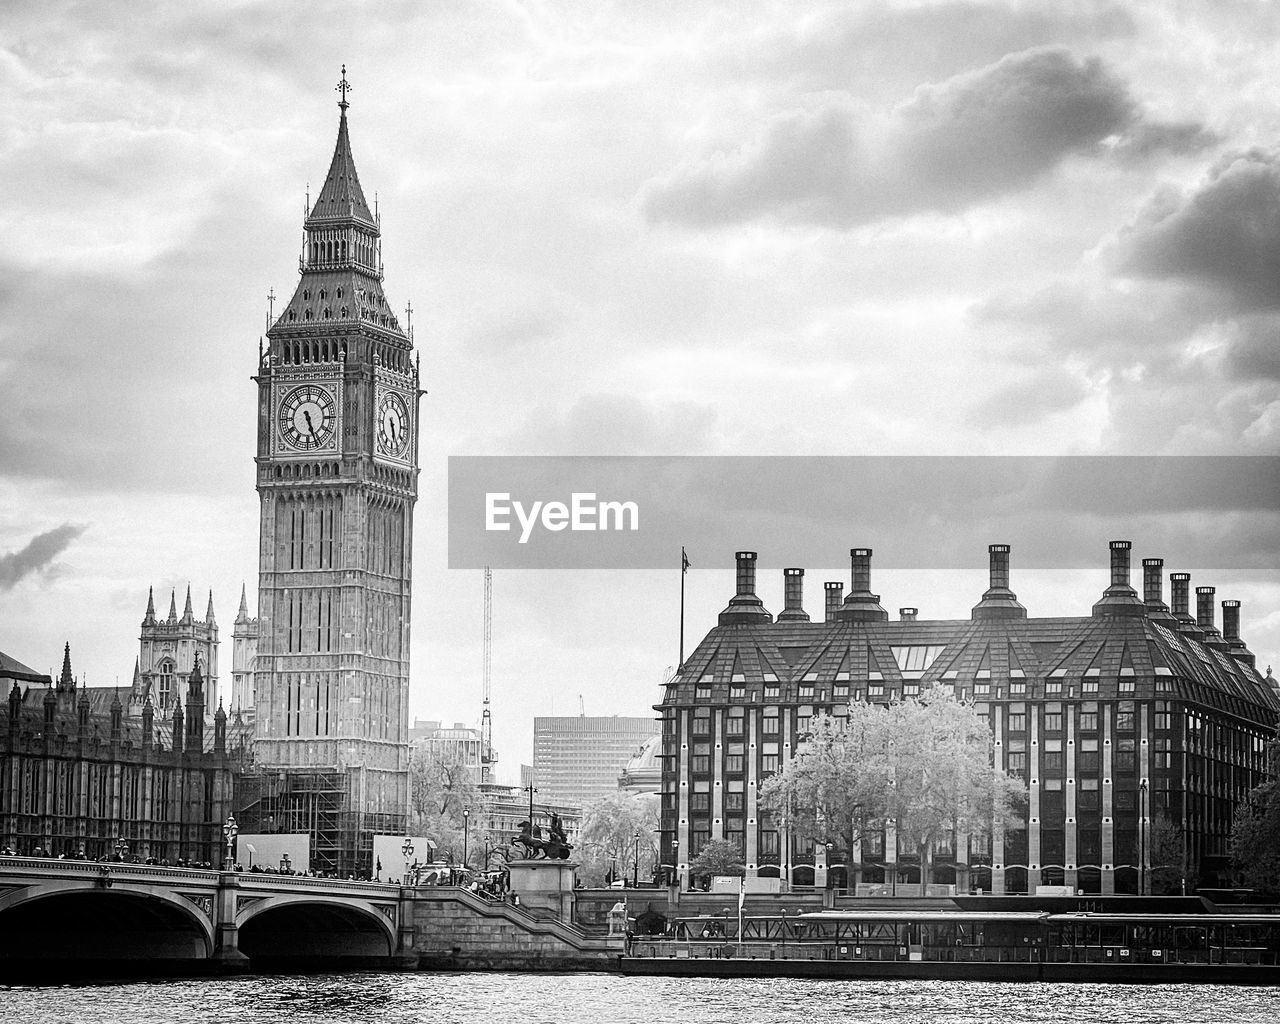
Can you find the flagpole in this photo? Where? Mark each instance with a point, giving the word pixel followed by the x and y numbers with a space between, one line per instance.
pixel 684 568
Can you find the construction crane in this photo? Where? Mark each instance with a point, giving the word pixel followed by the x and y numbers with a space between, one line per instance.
pixel 487 757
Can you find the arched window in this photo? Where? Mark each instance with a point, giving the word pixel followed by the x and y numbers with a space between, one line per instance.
pixel 166 684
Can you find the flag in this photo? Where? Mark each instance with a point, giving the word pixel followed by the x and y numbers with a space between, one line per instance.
pixel 684 561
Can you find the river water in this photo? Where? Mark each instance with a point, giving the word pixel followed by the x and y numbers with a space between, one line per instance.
pixel 490 998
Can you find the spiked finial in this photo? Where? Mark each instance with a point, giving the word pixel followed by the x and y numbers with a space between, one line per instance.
pixel 150 618
pixel 187 614
pixel 208 615
pixel 343 87
pixel 173 608
pixel 243 614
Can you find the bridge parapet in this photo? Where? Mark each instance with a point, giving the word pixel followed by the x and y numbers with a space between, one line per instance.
pixel 295 915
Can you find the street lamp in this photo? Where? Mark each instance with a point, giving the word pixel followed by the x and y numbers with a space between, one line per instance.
pixel 675 860
pixel 229 832
pixel 407 850
pixel 635 880
pixel 1142 837
pixel 121 846
pixel 830 847
pixel 285 863
pixel 466 823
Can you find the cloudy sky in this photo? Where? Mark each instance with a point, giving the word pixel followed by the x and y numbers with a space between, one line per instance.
pixel 746 228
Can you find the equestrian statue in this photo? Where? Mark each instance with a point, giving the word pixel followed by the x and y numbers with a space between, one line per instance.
pixel 555 847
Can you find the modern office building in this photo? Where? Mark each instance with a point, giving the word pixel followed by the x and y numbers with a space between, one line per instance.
pixel 1131 716
pixel 577 760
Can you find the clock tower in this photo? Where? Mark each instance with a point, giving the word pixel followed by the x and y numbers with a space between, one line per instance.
pixel 337 472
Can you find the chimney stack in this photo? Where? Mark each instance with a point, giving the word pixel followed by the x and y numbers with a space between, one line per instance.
pixel 1153 590
pixel 1205 617
pixel 835 598
pixel 1120 598
pixel 861 605
pixel 999 602
pixel 1180 600
pixel 908 614
pixel 793 597
pixel 1231 633
pixel 744 607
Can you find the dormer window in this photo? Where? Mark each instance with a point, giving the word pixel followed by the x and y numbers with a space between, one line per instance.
pixel 321 294
pixel 306 293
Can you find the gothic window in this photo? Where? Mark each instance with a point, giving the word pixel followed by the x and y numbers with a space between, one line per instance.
pixel 306 315
pixel 321 294
pixel 326 313
pixel 166 686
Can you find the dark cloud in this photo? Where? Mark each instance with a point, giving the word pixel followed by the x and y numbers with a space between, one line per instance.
pixel 1253 353
pixel 1031 400
pixel 1156 137
pixel 873 46
pixel 37 556
pixel 972 138
pixel 1224 235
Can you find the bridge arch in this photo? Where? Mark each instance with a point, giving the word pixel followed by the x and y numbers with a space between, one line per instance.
pixel 70 922
pixel 313 928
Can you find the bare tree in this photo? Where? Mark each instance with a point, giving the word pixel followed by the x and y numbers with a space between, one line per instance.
pixel 607 840
pixel 446 806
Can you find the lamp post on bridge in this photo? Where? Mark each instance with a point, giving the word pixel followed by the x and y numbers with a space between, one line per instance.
pixel 635 878
pixel 285 863
pixel 121 847
pixel 675 861
pixel 407 850
pixel 466 824
pixel 229 832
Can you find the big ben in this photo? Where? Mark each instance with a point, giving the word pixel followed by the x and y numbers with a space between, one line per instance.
pixel 337 470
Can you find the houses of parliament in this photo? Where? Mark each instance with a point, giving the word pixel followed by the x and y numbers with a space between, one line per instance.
pixel 312 735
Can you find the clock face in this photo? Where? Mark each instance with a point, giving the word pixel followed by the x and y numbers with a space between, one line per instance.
pixel 393 425
pixel 307 418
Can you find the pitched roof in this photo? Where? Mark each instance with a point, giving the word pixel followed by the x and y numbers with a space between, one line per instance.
pixel 12 668
pixel 341 197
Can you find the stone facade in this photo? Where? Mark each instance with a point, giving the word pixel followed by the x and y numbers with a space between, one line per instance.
pixel 337 459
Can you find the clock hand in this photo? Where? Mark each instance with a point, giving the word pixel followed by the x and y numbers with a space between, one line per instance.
pixel 310 426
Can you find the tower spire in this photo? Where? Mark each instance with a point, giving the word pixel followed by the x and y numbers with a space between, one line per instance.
pixel 65 682
pixel 173 608
pixel 187 614
pixel 243 614
pixel 150 618
pixel 208 615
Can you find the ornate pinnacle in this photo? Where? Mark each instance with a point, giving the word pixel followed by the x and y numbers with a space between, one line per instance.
pixel 343 87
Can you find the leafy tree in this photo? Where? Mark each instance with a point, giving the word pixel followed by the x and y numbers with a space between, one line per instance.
pixel 835 784
pixel 718 857
pixel 942 775
pixel 1255 834
pixel 607 840
pixel 1168 857
pixel 926 764
pixel 441 789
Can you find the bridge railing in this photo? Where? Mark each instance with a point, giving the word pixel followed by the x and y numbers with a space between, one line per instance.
pixel 47 866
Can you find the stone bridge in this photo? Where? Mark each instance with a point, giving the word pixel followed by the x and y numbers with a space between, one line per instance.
pixel 68 911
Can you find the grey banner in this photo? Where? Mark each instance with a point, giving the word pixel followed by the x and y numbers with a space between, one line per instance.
pixel 917 512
